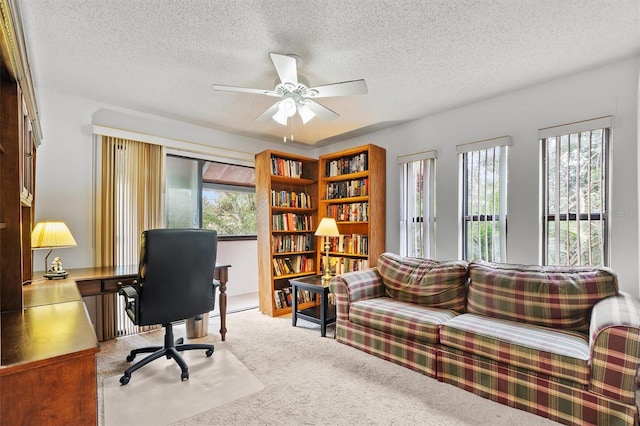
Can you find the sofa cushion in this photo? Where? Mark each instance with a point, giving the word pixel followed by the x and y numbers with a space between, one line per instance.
pixel 560 354
pixel 439 284
pixel 552 296
pixel 410 321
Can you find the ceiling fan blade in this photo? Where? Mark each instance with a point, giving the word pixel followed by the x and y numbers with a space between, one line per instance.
pixel 222 88
pixel 286 68
pixel 321 111
pixel 268 114
pixel 345 88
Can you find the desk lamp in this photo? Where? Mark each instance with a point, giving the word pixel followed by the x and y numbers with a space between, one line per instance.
pixel 327 228
pixel 52 235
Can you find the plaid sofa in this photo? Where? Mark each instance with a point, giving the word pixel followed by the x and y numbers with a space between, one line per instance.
pixel 559 342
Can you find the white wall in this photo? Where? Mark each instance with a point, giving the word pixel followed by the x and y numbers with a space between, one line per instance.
pixel 611 90
pixel 64 173
pixel 64 170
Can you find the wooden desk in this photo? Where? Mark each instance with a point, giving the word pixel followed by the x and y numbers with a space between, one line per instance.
pixel 48 364
pixel 109 279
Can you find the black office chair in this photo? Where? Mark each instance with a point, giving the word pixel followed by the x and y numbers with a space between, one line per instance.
pixel 175 282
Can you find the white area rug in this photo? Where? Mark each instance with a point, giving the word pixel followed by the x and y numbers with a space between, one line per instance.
pixel 156 395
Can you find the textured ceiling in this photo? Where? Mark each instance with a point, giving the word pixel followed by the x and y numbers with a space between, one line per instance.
pixel 417 57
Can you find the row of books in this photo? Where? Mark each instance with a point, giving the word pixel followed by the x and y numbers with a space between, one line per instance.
pixel 292 265
pixel 284 298
pixel 345 165
pixel 290 199
pixel 340 265
pixel 351 188
pixel 292 222
pixel 289 243
pixel 351 212
pixel 350 244
pixel 285 167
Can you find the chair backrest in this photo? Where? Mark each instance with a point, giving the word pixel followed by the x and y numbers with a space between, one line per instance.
pixel 175 277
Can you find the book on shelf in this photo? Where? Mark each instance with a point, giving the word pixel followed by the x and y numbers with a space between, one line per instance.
pixel 346 189
pixel 300 200
pixel 292 222
pixel 291 243
pixel 286 167
pixel 349 212
pixel 346 165
pixel 340 265
pixel 350 244
pixel 296 264
pixel 284 298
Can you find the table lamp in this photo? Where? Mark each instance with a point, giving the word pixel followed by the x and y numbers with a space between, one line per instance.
pixel 327 228
pixel 52 235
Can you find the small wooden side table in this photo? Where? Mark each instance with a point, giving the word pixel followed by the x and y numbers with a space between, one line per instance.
pixel 324 314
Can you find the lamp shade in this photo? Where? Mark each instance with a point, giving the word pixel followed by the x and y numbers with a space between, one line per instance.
pixel 51 234
pixel 327 228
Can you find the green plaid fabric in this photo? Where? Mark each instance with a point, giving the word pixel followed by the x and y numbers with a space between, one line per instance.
pixel 615 347
pixel 564 355
pixel 551 296
pixel 501 351
pixel 423 281
pixel 402 319
pixel 559 401
pixel 405 352
pixel 358 287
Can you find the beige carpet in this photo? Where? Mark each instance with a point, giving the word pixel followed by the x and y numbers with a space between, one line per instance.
pixel 156 395
pixel 310 380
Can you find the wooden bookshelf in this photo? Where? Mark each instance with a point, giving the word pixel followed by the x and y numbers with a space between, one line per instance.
pixel 352 190
pixel 287 200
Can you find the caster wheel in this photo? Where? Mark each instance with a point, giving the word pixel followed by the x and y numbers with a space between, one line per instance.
pixel 130 358
pixel 124 380
pixel 185 376
pixel 209 352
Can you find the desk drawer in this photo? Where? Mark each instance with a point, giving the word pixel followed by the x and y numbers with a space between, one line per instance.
pixel 89 287
pixel 114 284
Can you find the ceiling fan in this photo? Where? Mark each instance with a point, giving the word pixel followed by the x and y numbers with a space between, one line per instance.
pixel 296 96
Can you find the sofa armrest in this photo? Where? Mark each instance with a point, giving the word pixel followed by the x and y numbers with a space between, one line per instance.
pixel 353 286
pixel 614 340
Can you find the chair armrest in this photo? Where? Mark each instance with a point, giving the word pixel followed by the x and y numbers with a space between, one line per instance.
pixel 614 340
pixel 353 286
pixel 216 286
pixel 131 302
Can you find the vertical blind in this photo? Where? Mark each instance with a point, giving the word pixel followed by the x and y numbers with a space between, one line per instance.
pixel 130 200
pixel 484 199
pixel 417 204
pixel 575 193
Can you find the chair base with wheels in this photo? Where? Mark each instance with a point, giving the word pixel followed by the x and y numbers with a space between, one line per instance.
pixel 170 349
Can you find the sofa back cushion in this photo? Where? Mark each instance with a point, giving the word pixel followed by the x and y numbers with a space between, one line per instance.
pixel 439 284
pixel 552 296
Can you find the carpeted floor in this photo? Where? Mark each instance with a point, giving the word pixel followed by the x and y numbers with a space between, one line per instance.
pixel 310 380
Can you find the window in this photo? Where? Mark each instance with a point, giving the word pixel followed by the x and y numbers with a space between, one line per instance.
pixel 575 196
pixel 211 195
pixel 417 206
pixel 484 199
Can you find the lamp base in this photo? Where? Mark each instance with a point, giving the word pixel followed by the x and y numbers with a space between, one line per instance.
pixel 56 275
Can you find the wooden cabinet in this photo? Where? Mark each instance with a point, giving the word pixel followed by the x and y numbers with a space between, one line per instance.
pixel 352 190
pixel 286 195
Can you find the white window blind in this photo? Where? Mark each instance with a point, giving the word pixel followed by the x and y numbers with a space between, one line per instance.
pixel 417 206
pixel 575 195
pixel 484 199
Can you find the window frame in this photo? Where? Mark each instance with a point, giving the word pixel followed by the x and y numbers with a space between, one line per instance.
pixel 558 132
pixel 427 160
pixel 500 149
pixel 201 185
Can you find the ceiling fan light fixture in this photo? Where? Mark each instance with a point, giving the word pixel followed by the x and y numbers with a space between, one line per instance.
pixel 280 117
pixel 287 107
pixel 306 114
